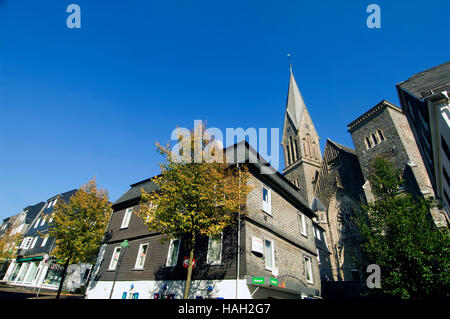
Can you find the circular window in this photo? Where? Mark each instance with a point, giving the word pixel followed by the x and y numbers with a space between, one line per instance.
pixel 344 218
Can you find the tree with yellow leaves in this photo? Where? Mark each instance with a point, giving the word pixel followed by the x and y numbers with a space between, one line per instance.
pixel 78 226
pixel 199 193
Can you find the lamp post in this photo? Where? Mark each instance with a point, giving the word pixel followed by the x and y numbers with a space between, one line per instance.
pixel 123 246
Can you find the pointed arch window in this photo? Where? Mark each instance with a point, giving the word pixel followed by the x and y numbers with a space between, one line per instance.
pixel 292 149
pixel 304 147
pixel 314 146
pixel 368 144
pixel 308 140
pixel 380 135
pixel 296 148
pixel 288 155
pixel 374 139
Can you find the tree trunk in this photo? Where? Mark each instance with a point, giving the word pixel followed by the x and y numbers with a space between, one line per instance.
pixel 189 274
pixel 63 276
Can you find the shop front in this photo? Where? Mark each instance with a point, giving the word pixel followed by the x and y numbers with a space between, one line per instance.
pixel 279 288
pixel 26 271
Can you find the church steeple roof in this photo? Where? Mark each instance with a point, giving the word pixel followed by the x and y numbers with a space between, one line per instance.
pixel 295 106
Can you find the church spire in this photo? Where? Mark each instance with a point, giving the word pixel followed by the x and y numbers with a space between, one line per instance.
pixel 295 105
pixel 300 142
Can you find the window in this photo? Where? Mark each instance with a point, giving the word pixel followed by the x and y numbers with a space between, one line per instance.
pixel 445 147
pixel 214 250
pixel 44 241
pixel 269 255
pixel 291 143
pixel 368 144
pixel 303 225
pixel 318 234
pixel 27 242
pixel 296 149
pixel 142 253
pixel 314 146
pixel 308 270
pixel 305 150
pixel 288 155
pixel 49 204
pixel 114 258
pixel 318 256
pixel 267 205
pixel 43 221
pixel 54 202
pixel 126 218
pixel 374 139
pixel 380 135
pixel 37 223
pixel 34 242
pixel 172 256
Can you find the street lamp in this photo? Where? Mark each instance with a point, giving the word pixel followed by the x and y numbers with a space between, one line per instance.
pixel 123 245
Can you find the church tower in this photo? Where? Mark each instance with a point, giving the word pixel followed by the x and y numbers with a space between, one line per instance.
pixel 302 157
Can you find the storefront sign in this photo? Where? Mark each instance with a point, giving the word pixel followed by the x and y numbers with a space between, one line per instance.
pixel 56 267
pixel 258 280
pixel 274 281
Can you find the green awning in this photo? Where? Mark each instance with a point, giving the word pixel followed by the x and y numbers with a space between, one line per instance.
pixel 31 258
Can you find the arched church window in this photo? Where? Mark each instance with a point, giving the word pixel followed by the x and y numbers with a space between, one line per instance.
pixel 292 149
pixel 308 142
pixel 296 148
pixel 380 134
pixel 314 146
pixel 288 156
pixel 368 144
pixel 375 141
pixel 304 148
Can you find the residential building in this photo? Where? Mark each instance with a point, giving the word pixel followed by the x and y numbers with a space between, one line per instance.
pixel 14 228
pixel 277 249
pixel 34 265
pixel 424 99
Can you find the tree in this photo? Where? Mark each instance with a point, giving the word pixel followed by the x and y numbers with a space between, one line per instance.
pixel 78 226
pixel 197 196
pixel 8 245
pixel 399 235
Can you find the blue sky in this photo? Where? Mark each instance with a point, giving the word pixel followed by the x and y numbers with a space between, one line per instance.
pixel 78 103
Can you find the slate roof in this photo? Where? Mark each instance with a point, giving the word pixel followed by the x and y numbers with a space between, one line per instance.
pixel 295 105
pixel 420 84
pixel 135 191
pixel 342 147
pixel 32 211
pixel 244 153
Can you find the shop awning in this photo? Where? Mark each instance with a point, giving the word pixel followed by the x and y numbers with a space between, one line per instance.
pixel 281 285
pixel 30 258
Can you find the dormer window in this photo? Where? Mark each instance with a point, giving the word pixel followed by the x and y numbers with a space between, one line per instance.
pixel 126 218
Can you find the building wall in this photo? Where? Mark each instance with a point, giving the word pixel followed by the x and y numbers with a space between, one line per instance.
pixel 283 227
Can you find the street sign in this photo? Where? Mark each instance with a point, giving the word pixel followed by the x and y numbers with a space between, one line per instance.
pixel 257 280
pixel 274 281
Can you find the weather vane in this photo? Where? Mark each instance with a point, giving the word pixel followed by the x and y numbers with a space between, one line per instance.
pixel 290 62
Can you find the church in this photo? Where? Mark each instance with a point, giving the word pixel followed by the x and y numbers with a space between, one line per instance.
pixel 335 184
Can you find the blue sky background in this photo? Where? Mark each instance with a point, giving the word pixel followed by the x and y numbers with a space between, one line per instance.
pixel 78 103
